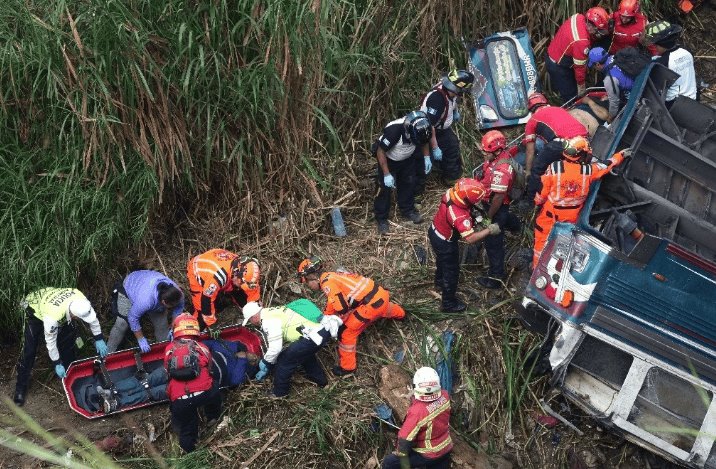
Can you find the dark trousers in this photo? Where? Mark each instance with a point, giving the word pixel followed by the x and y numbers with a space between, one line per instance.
pixel 450 166
pixel 392 461
pixel 300 353
pixel 33 337
pixel 404 174
pixel 185 415
pixel 447 266
pixel 495 244
pixel 561 78
pixel 551 152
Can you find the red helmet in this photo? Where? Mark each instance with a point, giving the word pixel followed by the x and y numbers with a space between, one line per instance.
pixel 628 8
pixel 576 149
pixel 536 100
pixel 493 141
pixel 599 17
pixel 466 192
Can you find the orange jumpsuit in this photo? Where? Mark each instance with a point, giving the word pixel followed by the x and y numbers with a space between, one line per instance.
pixel 359 302
pixel 565 186
pixel 209 275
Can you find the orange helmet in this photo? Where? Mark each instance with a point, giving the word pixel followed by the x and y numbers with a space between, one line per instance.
pixel 466 192
pixel 576 148
pixel 308 266
pixel 599 17
pixel 185 324
pixel 493 141
pixel 628 8
pixel 246 268
pixel 536 100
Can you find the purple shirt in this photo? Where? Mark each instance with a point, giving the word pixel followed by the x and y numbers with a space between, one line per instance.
pixel 141 288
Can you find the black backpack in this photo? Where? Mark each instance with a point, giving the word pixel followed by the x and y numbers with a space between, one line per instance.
pixel 631 61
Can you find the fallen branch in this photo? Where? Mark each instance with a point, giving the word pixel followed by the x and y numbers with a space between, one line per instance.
pixel 258 453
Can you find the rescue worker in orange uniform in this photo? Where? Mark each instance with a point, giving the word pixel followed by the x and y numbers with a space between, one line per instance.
pixel 565 186
pixel 452 222
pixel 424 438
pixel 567 53
pixel 629 26
pixel 357 300
pixel 220 272
pixel 497 177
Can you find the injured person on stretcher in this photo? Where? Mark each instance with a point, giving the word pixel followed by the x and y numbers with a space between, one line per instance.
pixel 232 365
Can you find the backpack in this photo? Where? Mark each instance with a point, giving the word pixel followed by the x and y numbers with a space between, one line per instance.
pixel 184 363
pixel 307 309
pixel 519 182
pixel 631 61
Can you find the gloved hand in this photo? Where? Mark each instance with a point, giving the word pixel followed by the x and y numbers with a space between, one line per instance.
pixel 144 344
pixel 214 333
pixel 581 89
pixel 389 180
pixel 428 165
pixel 101 347
pixel 60 370
pixel 456 116
pixel 437 154
pixel 627 153
pixel 263 370
pixel 494 229
pixel 170 336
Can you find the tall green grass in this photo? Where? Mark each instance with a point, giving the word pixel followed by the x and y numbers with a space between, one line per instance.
pixel 107 108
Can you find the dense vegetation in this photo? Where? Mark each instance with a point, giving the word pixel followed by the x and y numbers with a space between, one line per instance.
pixel 113 109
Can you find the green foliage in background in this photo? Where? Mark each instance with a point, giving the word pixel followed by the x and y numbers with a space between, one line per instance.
pixel 111 107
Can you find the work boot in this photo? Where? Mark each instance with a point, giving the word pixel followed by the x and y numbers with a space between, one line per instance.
pixel 19 398
pixel 338 371
pixel 455 306
pixel 489 282
pixel 414 216
pixel 383 227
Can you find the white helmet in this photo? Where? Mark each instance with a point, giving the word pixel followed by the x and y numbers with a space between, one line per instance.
pixel 250 310
pixel 81 308
pixel 426 384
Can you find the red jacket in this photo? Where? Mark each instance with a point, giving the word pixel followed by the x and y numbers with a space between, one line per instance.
pixel 570 46
pixel 497 176
pixel 550 122
pixel 176 388
pixel 427 425
pixel 451 218
pixel 626 35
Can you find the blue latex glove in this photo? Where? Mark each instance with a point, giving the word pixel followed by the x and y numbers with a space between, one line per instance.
pixel 456 116
pixel 60 370
pixel 437 154
pixel 263 371
pixel 428 165
pixel 170 336
pixel 389 180
pixel 144 345
pixel 101 347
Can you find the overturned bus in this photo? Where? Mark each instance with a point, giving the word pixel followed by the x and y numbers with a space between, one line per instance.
pixel 627 295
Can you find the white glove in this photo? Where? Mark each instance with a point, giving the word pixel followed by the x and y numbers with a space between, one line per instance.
pixel 331 324
pixel 389 180
pixel 494 229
